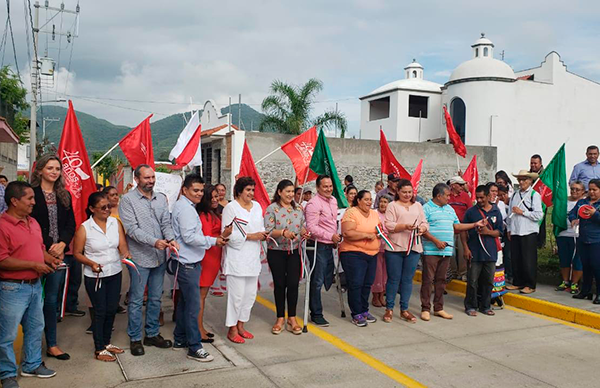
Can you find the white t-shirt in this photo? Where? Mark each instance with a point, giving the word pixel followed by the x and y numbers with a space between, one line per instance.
pixel 103 248
pixel 570 232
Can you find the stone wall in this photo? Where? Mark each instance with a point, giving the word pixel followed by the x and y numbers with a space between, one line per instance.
pixel 361 159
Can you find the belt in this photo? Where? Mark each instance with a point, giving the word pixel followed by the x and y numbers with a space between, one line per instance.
pixel 21 281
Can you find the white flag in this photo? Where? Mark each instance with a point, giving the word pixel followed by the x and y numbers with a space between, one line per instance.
pixel 187 151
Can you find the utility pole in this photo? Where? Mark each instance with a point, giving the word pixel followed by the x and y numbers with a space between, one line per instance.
pixel 34 89
pixel 44 119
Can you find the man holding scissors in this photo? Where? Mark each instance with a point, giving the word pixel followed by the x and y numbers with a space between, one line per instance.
pixel 482 252
pixel 438 248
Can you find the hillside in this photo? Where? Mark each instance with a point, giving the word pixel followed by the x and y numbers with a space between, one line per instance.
pixel 99 134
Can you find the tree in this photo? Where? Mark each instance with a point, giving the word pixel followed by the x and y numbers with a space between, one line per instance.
pixel 108 167
pixel 12 102
pixel 288 109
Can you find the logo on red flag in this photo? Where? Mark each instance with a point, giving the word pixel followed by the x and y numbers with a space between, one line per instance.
pixel 544 192
pixel 137 145
pixel 389 163
pixel 300 150
pixel 415 180
pixel 76 167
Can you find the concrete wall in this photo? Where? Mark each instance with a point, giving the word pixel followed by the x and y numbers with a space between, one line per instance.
pixel 361 159
pixel 8 160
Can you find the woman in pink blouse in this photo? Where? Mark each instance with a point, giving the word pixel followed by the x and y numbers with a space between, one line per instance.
pixel 405 222
pixel 378 288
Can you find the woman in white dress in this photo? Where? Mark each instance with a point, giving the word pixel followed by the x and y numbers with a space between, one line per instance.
pixel 241 257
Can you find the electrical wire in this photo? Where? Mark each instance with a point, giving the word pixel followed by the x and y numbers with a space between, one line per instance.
pixel 27 32
pixel 12 37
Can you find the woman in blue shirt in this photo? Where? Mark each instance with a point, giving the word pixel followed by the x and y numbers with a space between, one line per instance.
pixel 588 243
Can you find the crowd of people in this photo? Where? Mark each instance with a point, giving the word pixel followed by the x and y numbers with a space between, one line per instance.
pixel 378 241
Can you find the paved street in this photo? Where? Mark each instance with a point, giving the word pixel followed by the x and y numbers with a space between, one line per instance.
pixel 514 348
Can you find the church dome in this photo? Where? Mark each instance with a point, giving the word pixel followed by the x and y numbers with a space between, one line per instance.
pixel 483 64
pixel 413 81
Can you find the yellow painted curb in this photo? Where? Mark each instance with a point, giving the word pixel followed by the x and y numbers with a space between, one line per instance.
pixel 543 307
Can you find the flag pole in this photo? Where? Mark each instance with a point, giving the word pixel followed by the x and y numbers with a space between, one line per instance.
pixel 267 155
pixel 105 155
pixel 457 164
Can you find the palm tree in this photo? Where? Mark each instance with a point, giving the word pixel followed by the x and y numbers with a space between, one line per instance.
pixel 288 108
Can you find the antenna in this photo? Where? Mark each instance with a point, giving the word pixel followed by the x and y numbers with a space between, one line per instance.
pixel 502 55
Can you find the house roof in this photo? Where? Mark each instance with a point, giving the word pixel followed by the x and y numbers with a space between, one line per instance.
pixel 214 130
pixel 7 135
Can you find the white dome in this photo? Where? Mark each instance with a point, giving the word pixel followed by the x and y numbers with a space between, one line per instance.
pixel 482 41
pixel 408 84
pixel 482 67
pixel 414 65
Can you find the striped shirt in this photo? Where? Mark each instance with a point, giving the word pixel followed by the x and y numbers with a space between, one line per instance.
pixel 146 221
pixel 441 221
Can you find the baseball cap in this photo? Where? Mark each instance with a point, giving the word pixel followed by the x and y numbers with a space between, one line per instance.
pixel 393 178
pixel 457 179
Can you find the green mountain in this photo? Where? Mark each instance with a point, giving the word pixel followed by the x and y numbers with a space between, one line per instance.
pixel 99 134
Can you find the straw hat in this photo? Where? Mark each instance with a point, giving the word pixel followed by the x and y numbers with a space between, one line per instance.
pixel 526 174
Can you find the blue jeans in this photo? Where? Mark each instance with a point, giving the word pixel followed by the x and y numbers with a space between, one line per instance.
pixel 360 273
pixel 20 304
pixel 590 258
pixel 322 275
pixel 401 269
pixel 567 253
pixel 188 306
pixel 52 290
pixel 154 278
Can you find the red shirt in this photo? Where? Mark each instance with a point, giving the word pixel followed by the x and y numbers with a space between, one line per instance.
pixel 460 203
pixel 20 241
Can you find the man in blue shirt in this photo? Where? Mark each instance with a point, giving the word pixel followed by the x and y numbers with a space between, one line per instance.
pixel 482 253
pixel 438 248
pixel 187 228
pixel 588 169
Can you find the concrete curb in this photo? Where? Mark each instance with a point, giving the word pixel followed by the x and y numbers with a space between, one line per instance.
pixel 549 309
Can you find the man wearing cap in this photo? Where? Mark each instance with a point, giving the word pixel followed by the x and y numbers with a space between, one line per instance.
pixel 390 190
pixel 306 196
pixel 524 214
pixel 460 201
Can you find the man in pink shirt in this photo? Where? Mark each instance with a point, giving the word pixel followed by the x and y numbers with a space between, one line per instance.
pixel 321 222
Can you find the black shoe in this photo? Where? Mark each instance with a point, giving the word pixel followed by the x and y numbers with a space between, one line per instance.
pixel 121 310
pixel 581 295
pixel 179 345
pixel 75 313
pixel 597 300
pixel 89 330
pixel 158 341
pixel 62 357
pixel 207 340
pixel 136 348
pixel 319 321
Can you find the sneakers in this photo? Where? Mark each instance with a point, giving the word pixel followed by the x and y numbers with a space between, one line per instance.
pixel 75 313
pixel 359 320
pixel 200 355
pixel 319 321
pixel 158 341
pixel 574 288
pixel 179 345
pixel 369 318
pixel 9 382
pixel 562 286
pixel 41 371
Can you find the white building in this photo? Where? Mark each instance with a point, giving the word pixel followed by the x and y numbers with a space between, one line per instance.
pixel 521 113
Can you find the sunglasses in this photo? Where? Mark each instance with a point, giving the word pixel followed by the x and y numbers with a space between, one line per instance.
pixel 104 208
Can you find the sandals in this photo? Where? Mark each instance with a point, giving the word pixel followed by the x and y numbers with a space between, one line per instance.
pixel 247 335
pixel 294 329
pixel 276 329
pixel 106 356
pixel 471 313
pixel 114 349
pixel 489 312
pixel 389 314
pixel 237 339
pixel 512 287
pixel 407 316
pixel 527 290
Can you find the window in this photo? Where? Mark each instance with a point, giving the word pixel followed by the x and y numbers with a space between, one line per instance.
pixel 207 162
pixel 414 74
pixel 379 109
pixel 417 106
pixel 477 52
pixel 458 111
pixel 485 51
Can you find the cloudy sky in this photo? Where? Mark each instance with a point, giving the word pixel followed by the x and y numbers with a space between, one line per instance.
pixel 134 57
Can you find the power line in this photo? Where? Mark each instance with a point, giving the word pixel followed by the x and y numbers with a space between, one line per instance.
pixel 27 31
pixel 12 38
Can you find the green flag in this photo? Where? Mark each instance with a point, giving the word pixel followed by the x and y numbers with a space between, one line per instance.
pixel 555 177
pixel 322 163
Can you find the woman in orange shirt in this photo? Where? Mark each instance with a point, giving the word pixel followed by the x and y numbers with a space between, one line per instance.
pixel 358 253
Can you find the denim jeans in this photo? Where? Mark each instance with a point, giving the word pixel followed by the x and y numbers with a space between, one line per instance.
pixel 154 278
pixel 590 258
pixel 20 304
pixel 188 306
pixel 52 290
pixel 480 280
pixel 75 276
pixel 567 254
pixel 401 269
pixel 360 273
pixel 105 301
pixel 322 275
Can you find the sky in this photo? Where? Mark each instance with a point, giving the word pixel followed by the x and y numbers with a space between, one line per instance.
pixel 133 58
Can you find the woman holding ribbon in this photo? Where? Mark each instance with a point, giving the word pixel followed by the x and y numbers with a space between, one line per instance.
pixel 586 214
pixel 99 245
pixel 284 221
pixel 241 258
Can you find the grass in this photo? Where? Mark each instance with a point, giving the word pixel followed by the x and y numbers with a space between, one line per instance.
pixel 548 262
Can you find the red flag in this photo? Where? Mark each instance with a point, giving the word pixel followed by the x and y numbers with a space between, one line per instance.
pixel 471 175
pixel 416 176
pixel 389 163
pixel 459 146
pixel 544 191
pixel 300 150
pixel 137 145
pixel 77 171
pixel 248 168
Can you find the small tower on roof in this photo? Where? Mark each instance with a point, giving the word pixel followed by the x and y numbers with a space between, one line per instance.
pixel 483 47
pixel 414 70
